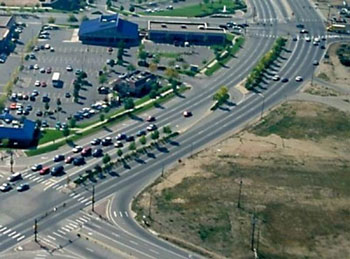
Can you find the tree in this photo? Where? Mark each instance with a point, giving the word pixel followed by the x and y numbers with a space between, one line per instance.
pixel 155 135
pixel 51 20
pixel 153 94
pixel 72 18
pixel 132 9
pixel 143 140
pixel 142 54
pixel 153 67
pixel 132 146
pixel 102 79
pixel 98 169
pixel 72 123
pixel 120 152
pixel 106 159
pixel 102 117
pixel 167 130
pixel 129 104
pixel 47 106
pixel 109 4
pixel 84 18
pixel 120 54
pixel 65 132
pixel 121 8
pixel 171 73
pixel 131 67
pixel 58 102
pixel 221 95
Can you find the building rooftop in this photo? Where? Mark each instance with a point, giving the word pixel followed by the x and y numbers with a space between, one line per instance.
pixel 122 27
pixel 3 33
pixel 183 26
pixel 4 20
pixel 16 129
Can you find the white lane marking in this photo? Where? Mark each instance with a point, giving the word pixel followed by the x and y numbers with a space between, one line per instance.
pixel 27 175
pixel 7 231
pixel 115 214
pixel 17 235
pixel 88 203
pixel 79 221
pixel 76 196
pixel 83 220
pixel 36 178
pixel 56 234
pixel 40 180
pixel 59 187
pixel 31 177
pixel 121 214
pixel 49 186
pixel 72 194
pixel 89 249
pixel 11 234
pixel 126 213
pixel 81 198
pixel 4 228
pixel 132 241
pixel 69 227
pixel 114 234
pixel 153 251
pixel 20 238
pixel 51 237
pixel 85 200
pixel 60 231
pixel 65 229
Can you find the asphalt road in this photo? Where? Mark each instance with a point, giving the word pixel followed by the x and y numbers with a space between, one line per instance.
pixel 199 131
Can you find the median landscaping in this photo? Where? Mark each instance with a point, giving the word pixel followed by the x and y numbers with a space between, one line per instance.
pixel 257 74
pixel 202 9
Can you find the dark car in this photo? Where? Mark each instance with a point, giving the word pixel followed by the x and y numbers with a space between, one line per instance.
pixel 5 187
pixel 121 136
pixel 106 141
pixel 141 133
pixel 39 113
pixel 130 138
pixel 95 142
pixel 58 158
pixel 57 170
pixel 37 167
pixel 23 187
pixel 79 161
pixel 14 177
pixel 284 80
pixel 97 152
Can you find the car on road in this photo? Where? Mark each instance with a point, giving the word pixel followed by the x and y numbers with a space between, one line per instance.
pixel 151 118
pixel 187 114
pixel 44 170
pixel 284 80
pixel 22 187
pixel 69 160
pixel 86 151
pixel 14 177
pixel 304 31
pixel 79 161
pixel 141 133
pixel 97 152
pixel 77 149
pixel 307 39
pixel 56 170
pixel 69 68
pixel 151 127
pixel 42 70
pixel 118 144
pixel 121 136
pixel 298 79
pixel 58 158
pixel 36 66
pixel 95 142
pixel 130 138
pixel 106 141
pixel 5 187
pixel 37 167
pixel 315 63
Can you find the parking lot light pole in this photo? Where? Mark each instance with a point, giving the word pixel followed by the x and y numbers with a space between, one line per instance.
pixel 11 161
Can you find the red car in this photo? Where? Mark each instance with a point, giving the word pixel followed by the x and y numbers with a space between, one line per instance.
pixel 45 170
pixel 49 70
pixel 13 106
pixel 86 151
pixel 43 84
pixel 69 160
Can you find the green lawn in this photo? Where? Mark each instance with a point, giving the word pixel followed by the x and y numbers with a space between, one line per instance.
pixel 49 135
pixel 200 10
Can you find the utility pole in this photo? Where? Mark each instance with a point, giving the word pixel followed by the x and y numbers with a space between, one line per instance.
pixel 35 230
pixel 93 199
pixel 11 161
pixel 253 231
pixel 239 194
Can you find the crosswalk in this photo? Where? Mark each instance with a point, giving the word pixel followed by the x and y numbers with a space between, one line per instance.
pixel 5 231
pixel 47 183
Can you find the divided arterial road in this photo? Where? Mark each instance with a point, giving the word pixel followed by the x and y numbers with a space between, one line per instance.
pixel 205 127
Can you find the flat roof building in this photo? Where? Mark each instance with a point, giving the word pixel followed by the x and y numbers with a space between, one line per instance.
pixel 193 32
pixel 16 130
pixel 7 24
pixel 108 30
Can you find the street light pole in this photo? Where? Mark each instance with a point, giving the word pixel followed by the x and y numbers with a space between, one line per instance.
pixel 93 199
pixel 35 230
pixel 11 161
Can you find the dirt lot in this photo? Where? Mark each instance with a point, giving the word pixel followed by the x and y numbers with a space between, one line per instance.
pixel 294 168
pixel 332 70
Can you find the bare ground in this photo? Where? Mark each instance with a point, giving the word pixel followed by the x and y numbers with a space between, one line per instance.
pixel 298 187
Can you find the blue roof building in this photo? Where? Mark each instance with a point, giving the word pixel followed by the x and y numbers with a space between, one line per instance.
pixel 23 134
pixel 108 30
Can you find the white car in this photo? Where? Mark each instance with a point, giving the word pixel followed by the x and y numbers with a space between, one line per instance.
pixel 77 149
pixel 69 68
pixel 276 78
pixel 47 46
pixel 37 83
pixel 298 79
pixel 308 39
pixel 36 66
pixel 151 127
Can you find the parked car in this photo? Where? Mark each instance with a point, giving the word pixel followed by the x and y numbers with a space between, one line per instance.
pixel 121 136
pixel 141 133
pixel 151 118
pixel 118 144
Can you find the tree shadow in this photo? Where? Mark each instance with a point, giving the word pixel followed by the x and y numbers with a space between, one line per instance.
pixel 162 149
pixel 134 117
pixel 107 129
pixel 139 160
pixel 114 174
pixel 126 165
pixel 157 105
pixel 151 155
pixel 173 143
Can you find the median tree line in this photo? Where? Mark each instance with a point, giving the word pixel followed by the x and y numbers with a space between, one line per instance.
pixel 255 77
